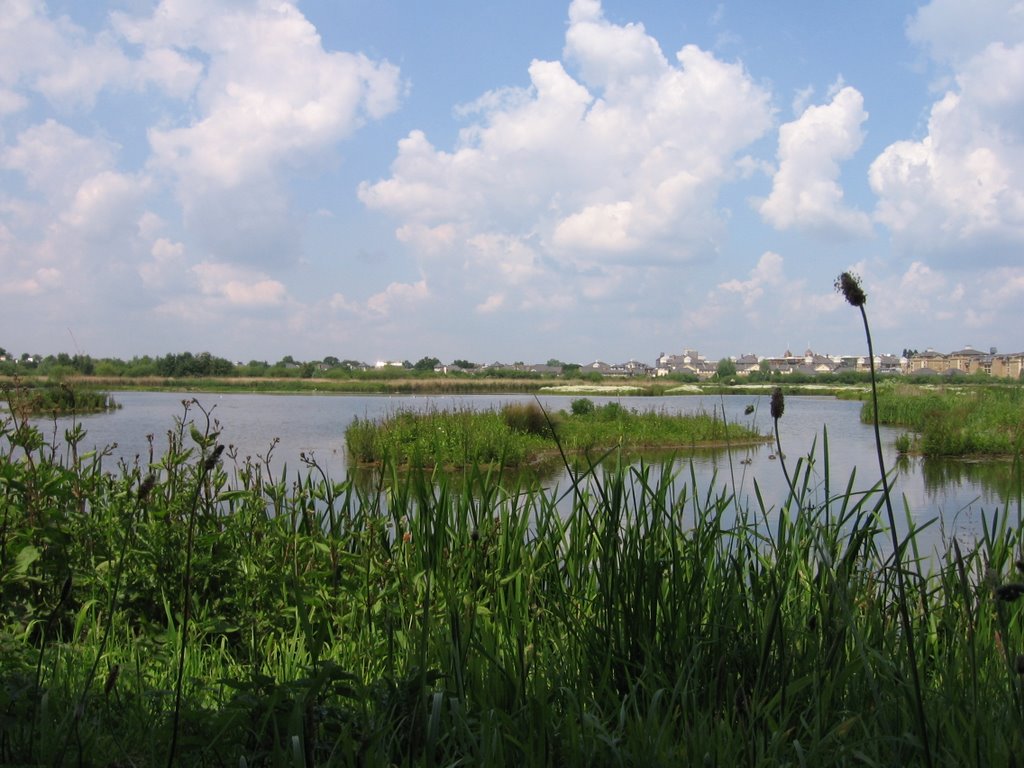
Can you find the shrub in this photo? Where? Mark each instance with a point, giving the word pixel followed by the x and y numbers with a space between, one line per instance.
pixel 583 406
pixel 527 418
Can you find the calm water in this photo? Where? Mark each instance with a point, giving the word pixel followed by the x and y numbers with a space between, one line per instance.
pixel 956 494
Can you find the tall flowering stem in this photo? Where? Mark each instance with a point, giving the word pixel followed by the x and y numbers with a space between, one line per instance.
pixel 778 407
pixel 849 285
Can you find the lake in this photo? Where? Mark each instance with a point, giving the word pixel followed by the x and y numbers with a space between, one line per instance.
pixel 955 493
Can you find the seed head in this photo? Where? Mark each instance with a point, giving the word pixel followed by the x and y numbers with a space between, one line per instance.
pixel 848 284
pixel 778 404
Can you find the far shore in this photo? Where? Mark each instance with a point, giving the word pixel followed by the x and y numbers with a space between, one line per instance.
pixel 445 385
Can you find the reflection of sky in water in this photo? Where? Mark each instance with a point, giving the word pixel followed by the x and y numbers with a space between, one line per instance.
pixel 957 493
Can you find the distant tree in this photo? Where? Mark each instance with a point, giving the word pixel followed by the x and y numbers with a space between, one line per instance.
pixel 725 368
pixel 554 362
pixel 570 369
pixel 909 352
pixel 460 363
pixel 331 361
pixel 3 352
pixel 426 364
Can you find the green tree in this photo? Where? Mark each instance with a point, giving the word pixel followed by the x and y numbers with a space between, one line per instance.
pixel 725 368
pixel 460 363
pixel 426 364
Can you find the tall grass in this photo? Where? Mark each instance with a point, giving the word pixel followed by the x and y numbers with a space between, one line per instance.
pixel 427 622
pixel 955 421
pixel 522 434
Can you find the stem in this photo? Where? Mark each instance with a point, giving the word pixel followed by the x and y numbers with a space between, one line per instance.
pixel 908 632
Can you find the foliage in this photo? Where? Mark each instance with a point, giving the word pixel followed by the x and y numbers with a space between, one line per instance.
pixel 425 364
pixel 56 399
pixel 582 406
pixel 443 623
pixel 956 421
pixel 523 434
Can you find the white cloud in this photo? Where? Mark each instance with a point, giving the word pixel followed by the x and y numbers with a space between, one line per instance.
pixel 954 32
pixel 492 303
pixel 767 273
pixel 231 285
pixel 580 174
pixel 105 204
pixel 38 282
pixel 55 160
pixel 805 191
pixel 395 295
pixel 959 190
pixel 744 297
pixel 69 66
pixel 266 100
pixel 270 93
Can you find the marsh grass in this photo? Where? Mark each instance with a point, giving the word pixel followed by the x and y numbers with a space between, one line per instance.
pixel 427 622
pixel 55 398
pixel 523 434
pixel 955 421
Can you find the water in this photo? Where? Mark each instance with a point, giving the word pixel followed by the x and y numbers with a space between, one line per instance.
pixel 954 493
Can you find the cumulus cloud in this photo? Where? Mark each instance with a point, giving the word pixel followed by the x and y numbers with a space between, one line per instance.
pixel 69 66
pixel 767 273
pixel 238 287
pixel 613 156
pixel 954 32
pixel 806 193
pixel 269 94
pixel 397 295
pixel 744 297
pixel 960 189
pixel 268 99
pixel 54 160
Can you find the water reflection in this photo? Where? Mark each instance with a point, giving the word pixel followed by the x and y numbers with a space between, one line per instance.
pixel 995 480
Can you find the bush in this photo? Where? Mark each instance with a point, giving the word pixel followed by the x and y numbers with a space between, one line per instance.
pixel 582 407
pixel 527 418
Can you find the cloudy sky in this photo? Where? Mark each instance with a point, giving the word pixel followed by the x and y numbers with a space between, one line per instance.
pixel 509 180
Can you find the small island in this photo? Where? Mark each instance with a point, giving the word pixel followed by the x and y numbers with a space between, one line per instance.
pixel 58 399
pixel 522 435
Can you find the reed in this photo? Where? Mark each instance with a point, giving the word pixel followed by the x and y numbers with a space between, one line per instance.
pixel 955 421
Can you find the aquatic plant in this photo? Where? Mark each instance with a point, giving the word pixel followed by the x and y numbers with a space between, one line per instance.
pixel 849 285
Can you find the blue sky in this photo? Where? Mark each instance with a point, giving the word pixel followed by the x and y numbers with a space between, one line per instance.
pixel 388 179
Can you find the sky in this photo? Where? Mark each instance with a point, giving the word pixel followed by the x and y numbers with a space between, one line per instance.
pixel 509 180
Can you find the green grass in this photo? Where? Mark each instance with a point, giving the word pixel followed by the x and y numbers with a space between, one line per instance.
pixel 524 434
pixel 955 421
pixel 643 621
